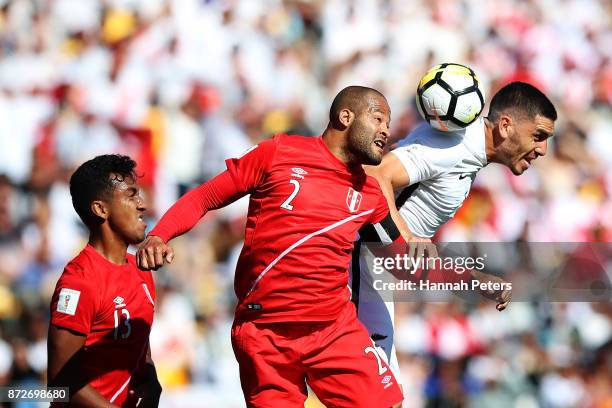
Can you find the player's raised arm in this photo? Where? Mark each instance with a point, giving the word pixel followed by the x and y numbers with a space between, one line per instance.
pixel 243 175
pixel 391 175
pixel 183 216
pixel 404 168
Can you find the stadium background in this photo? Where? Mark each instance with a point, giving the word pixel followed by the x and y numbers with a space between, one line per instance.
pixel 181 85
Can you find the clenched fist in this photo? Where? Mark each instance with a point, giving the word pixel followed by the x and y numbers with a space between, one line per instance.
pixel 152 253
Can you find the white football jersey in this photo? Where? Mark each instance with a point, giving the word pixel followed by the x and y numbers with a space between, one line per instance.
pixel 441 167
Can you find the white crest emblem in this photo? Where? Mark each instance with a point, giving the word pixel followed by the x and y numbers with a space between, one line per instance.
pixel 353 200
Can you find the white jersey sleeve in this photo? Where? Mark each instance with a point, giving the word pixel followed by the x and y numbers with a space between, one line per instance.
pixel 414 159
pixel 426 152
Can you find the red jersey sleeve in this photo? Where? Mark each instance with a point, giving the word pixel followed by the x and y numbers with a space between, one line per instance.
pixel 243 175
pixel 75 301
pixel 187 211
pixel 249 170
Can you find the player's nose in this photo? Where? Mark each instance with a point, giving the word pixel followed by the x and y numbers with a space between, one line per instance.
pixel 384 132
pixel 541 148
pixel 141 205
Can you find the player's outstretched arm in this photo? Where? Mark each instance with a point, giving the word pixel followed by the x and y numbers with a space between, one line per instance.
pixel 391 175
pixel 183 216
pixel 64 348
pixel 244 175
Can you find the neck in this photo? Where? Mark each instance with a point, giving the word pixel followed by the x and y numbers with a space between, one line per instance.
pixel 489 143
pixel 109 246
pixel 336 142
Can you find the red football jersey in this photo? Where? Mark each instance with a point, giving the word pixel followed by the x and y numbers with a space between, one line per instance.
pixel 113 306
pixel 305 210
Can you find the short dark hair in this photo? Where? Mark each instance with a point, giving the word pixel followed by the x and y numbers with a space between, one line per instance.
pixel 93 180
pixel 522 98
pixel 352 97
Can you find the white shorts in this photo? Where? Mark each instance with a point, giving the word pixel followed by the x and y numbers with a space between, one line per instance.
pixel 376 314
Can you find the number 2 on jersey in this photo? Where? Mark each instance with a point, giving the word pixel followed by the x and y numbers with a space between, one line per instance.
pixel 381 368
pixel 296 188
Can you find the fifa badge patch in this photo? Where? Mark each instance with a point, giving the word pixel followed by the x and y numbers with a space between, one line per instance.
pixel 68 301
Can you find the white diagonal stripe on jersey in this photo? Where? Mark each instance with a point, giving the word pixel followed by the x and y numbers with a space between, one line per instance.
pixel 142 353
pixel 146 289
pixel 121 389
pixel 301 241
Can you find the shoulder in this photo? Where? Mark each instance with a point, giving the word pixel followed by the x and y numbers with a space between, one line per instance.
pixel 440 149
pixel 75 270
pixel 373 186
pixel 474 137
pixel 293 149
pixel 82 266
pixel 269 147
pixel 426 135
pixel 370 181
pixel 282 139
pixel 81 274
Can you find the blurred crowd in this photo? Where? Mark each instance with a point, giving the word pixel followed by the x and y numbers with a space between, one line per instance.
pixel 181 85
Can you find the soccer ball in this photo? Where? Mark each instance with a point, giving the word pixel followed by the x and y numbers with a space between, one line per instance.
pixel 450 97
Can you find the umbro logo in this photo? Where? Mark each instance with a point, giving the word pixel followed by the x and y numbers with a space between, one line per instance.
pixel 387 381
pixel 119 301
pixel 298 172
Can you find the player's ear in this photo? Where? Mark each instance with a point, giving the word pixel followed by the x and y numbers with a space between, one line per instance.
pixel 505 126
pixel 99 209
pixel 346 117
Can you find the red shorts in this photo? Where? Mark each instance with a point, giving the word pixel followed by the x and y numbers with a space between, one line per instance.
pixel 337 358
